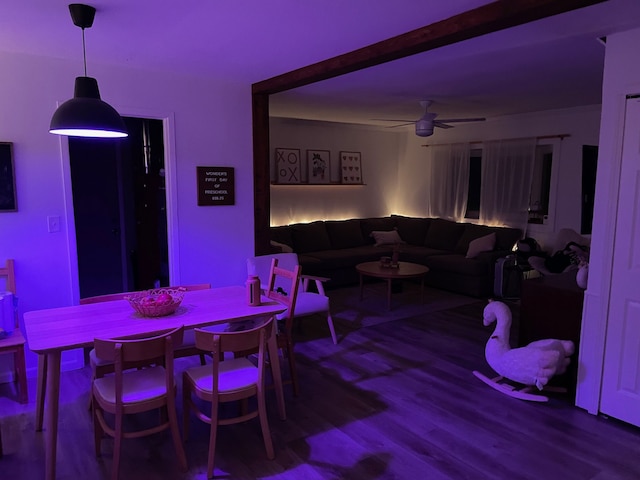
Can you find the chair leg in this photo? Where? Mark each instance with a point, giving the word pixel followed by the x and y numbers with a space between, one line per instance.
pixel 175 434
pixel 117 446
pixel 21 374
pixel 98 433
pixel 186 398
pixel 292 367
pixel 332 328
pixel 213 433
pixel 264 424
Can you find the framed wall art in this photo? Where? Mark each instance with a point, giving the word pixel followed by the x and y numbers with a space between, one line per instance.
pixel 8 201
pixel 350 168
pixel 288 165
pixel 319 166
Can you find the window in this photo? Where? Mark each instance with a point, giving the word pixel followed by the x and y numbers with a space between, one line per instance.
pixel 541 184
pixel 539 199
pixel 475 175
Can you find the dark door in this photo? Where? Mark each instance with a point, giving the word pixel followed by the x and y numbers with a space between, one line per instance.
pixel 120 210
pixel 589 167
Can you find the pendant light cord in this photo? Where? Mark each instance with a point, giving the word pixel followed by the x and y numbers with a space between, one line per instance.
pixel 84 54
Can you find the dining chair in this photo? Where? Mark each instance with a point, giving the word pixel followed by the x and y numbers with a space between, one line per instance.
pixel 228 379
pixel 283 287
pixel 129 392
pixel 14 343
pixel 308 302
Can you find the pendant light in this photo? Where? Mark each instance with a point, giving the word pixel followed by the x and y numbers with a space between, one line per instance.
pixel 86 115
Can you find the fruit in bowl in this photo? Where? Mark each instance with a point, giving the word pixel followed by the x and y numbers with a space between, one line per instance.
pixel 156 303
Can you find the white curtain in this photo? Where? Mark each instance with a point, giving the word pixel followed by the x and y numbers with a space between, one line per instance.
pixel 448 174
pixel 507 169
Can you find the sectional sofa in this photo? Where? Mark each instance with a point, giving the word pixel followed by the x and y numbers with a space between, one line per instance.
pixel 461 256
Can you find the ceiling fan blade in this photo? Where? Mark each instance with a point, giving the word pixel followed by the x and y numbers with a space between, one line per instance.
pixel 457 120
pixel 400 125
pixel 394 120
pixel 441 125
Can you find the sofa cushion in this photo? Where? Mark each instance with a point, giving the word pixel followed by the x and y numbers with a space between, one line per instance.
pixel 482 244
pixel 443 234
pixel 412 230
pixel 350 257
pixel 380 224
pixel 310 237
pixel 471 232
pixel 344 233
pixel 282 235
pixel 386 238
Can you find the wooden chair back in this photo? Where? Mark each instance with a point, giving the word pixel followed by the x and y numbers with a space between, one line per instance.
pixel 287 297
pixel 9 273
pixel 218 343
pixel 136 350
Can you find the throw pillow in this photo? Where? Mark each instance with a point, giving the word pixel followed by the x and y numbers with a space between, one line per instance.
pixel 482 244
pixel 283 248
pixel 386 238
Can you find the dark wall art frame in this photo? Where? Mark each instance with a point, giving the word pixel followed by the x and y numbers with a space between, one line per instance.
pixel 8 199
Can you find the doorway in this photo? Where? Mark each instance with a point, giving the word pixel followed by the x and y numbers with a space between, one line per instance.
pixel 120 210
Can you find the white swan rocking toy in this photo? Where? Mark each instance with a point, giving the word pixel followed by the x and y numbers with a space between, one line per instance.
pixel 531 365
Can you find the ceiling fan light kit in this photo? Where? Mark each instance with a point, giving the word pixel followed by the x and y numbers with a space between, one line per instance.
pixel 424 126
pixel 86 115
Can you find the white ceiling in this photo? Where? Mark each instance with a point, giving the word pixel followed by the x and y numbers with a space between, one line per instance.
pixel 554 63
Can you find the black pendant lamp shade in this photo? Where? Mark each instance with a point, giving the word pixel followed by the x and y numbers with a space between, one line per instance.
pixel 86 115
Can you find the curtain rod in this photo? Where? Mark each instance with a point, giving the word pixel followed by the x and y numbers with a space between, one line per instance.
pixel 561 136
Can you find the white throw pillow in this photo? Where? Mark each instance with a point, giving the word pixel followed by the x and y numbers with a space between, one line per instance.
pixel 283 248
pixel 482 244
pixel 386 238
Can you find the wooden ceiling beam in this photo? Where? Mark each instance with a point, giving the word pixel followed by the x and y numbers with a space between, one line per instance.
pixel 489 18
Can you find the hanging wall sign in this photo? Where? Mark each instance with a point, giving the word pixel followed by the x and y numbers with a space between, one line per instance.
pixel 215 186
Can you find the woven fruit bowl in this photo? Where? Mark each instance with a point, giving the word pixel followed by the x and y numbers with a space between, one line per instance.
pixel 157 302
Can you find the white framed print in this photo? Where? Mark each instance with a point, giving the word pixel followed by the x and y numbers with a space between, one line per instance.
pixel 350 168
pixel 319 166
pixel 288 165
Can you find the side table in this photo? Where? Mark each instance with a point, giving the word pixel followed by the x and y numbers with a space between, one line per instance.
pixel 551 307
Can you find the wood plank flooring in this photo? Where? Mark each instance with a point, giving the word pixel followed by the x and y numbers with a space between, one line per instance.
pixel 394 400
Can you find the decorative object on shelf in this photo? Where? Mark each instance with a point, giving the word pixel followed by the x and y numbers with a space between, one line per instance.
pixel 350 167
pixel 531 365
pixel 8 202
pixel 216 186
pixel 158 302
pixel 288 165
pixel 86 115
pixel 319 166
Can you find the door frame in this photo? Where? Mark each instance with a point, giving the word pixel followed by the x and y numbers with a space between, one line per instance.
pixel 170 166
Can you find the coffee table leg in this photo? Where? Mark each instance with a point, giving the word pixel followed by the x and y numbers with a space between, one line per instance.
pixel 421 289
pixel 361 286
pixel 388 294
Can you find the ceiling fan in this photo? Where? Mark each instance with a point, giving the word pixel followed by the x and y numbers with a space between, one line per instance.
pixel 426 123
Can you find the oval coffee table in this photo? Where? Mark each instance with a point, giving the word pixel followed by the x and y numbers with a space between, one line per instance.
pixel 403 271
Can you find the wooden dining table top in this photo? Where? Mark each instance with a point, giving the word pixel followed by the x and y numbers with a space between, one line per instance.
pixel 75 326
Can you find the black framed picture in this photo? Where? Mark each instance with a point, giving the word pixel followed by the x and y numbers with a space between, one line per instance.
pixel 8 202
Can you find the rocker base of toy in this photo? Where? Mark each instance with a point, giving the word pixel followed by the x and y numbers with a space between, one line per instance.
pixel 523 393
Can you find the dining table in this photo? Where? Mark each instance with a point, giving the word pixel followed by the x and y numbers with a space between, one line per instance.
pixel 51 331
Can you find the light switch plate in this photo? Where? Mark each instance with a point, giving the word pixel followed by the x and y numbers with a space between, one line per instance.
pixel 53 223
